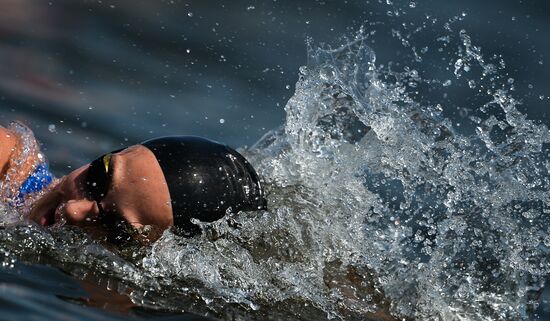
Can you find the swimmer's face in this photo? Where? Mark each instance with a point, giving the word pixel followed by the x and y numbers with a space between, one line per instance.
pixel 136 198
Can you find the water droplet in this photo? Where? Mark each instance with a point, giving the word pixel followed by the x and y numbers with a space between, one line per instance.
pixel 190 14
pixel 222 120
pixel 412 4
pixel 51 128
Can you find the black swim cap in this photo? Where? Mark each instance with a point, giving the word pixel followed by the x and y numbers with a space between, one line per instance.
pixel 205 178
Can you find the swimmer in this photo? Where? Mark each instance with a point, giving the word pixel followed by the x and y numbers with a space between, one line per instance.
pixel 139 191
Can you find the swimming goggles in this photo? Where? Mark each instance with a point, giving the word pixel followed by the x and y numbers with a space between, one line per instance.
pixel 98 181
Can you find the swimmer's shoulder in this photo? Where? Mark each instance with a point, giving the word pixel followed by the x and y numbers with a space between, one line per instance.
pixel 8 142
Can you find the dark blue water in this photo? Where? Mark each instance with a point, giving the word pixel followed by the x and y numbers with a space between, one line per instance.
pixel 42 292
pixel 90 76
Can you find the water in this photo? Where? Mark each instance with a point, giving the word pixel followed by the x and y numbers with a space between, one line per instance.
pixel 409 182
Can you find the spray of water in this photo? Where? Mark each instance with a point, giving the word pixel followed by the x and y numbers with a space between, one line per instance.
pixel 377 201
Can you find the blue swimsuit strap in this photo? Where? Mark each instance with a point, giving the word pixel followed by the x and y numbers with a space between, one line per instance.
pixel 39 179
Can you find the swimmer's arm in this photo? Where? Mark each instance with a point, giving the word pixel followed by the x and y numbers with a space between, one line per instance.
pixel 101 296
pixel 8 142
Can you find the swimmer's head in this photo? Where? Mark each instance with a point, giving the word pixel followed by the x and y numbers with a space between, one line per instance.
pixel 205 180
pixel 164 182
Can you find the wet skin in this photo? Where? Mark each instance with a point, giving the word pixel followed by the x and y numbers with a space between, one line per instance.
pixel 8 143
pixel 137 194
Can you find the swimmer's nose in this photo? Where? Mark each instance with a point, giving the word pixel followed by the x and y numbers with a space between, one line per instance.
pixel 80 212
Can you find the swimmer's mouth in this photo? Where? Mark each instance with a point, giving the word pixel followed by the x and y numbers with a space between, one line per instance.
pixel 44 209
pixel 48 218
